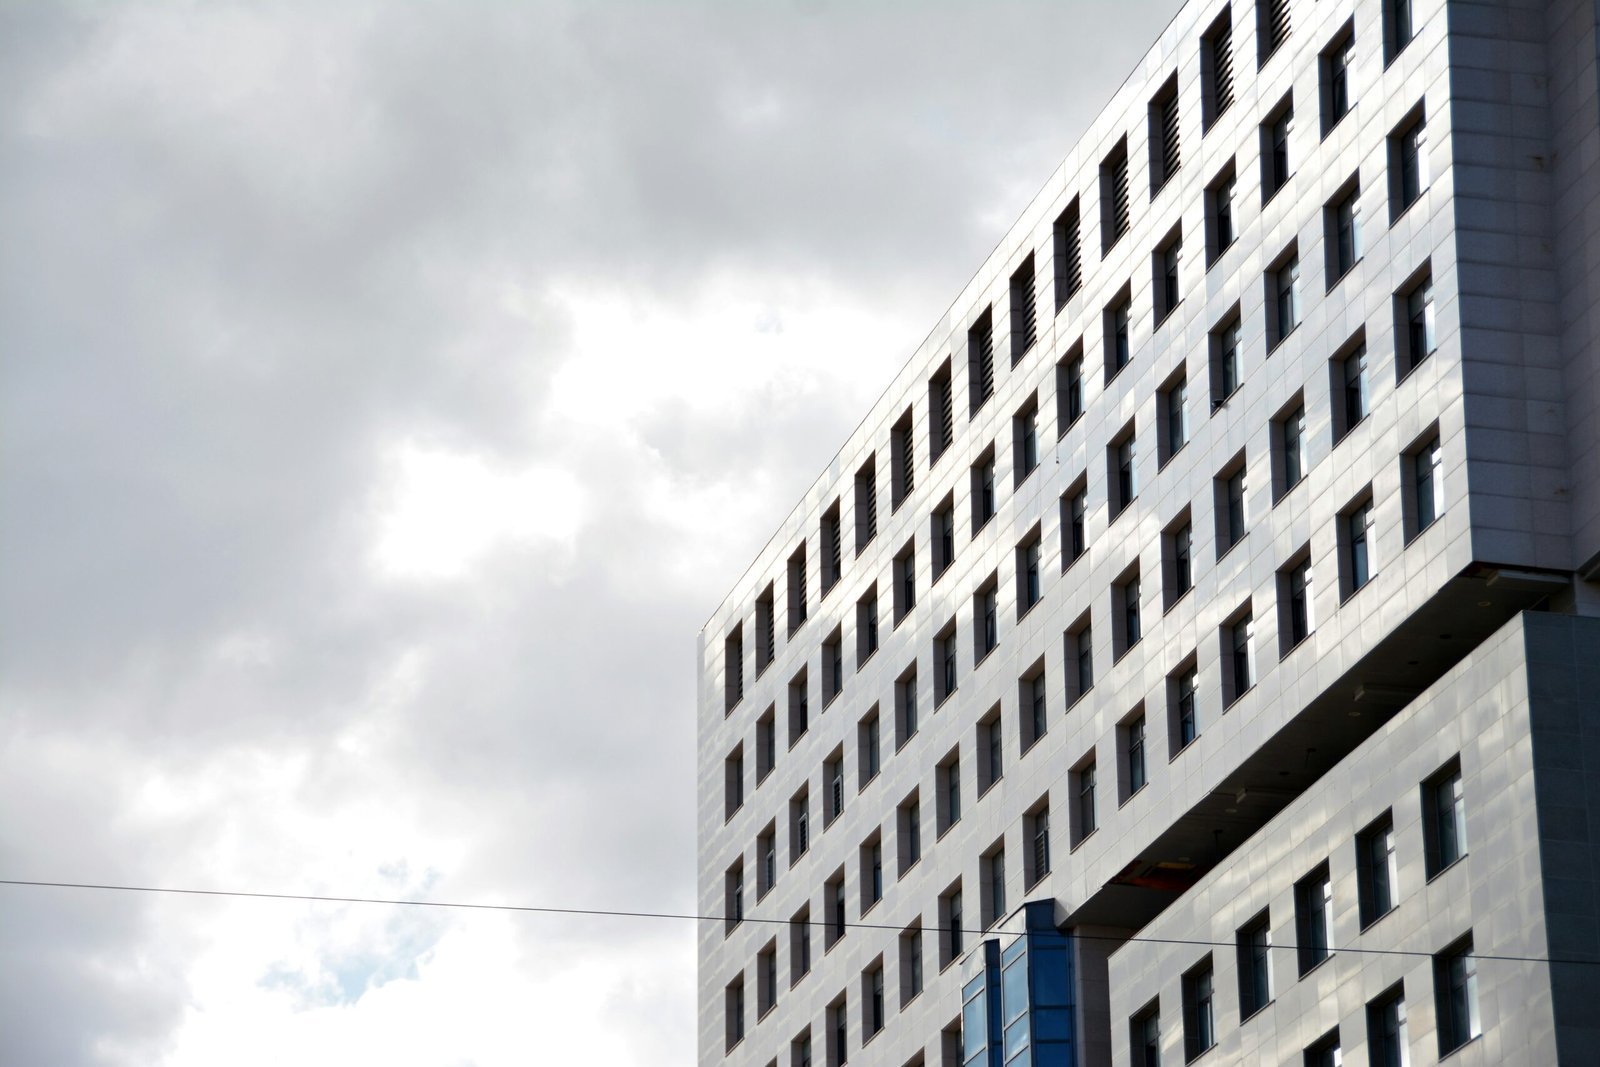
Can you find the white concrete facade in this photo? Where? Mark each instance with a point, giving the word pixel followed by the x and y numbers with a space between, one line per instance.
pixel 1500 227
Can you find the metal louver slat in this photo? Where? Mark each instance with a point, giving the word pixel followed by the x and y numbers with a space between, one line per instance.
pixel 1222 60
pixel 1169 135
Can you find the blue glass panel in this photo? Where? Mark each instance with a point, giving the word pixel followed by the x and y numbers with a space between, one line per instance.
pixel 974 1025
pixel 1014 989
pixel 1017 1036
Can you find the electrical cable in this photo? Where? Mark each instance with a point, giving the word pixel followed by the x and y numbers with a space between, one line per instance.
pixel 686 916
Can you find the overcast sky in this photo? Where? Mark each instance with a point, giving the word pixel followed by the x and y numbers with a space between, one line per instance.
pixel 389 394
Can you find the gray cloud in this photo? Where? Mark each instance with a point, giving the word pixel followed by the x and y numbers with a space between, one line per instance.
pixel 252 247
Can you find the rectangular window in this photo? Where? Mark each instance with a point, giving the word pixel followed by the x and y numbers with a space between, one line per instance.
pixel 1408 163
pixel 766 639
pixel 1216 68
pixel 1283 296
pixel 1069 255
pixel 1313 918
pixel 1225 371
pixel 1220 230
pixel 905 707
pixel 1117 320
pixel 1254 945
pixel 980 361
pixel 1164 266
pixel 1351 387
pixel 1033 718
pixel 1231 494
pixel 1114 196
pixel 1182 687
pixel 872 1007
pixel 866 626
pixel 797 589
pixel 1172 432
pixel 1122 470
pixel 1272 27
pixel 1341 219
pixel 910 965
pixel 908 833
pixel 799 707
pixel 833 787
pixel 869 752
pixel 1356 537
pixel 800 1051
pixel 991 751
pixel 1338 86
pixel 943 536
pixel 733 1001
pixel 832 666
pixel 767 978
pixel 1275 134
pixel 871 872
pixel 733 668
pixel 799 945
pixel 1387 1042
pixel 1029 589
pixel 905 583
pixel 986 618
pixel 1415 329
pixel 1455 992
pixel 838 1030
pixel 949 777
pixel 1025 441
pixel 833 909
pixel 733 782
pixel 766 742
pixel 1288 448
pixel 1079 659
pixel 799 825
pixel 994 886
pixel 766 859
pixel 1377 870
pixel 1069 388
pixel 944 657
pixel 733 897
pixel 1036 832
pixel 1164 149
pixel 983 493
pixel 1136 771
pixel 951 935
pixel 903 460
pixel 1238 637
pixel 832 548
pixel 866 503
pixel 1144 1036
pixel 1024 321
pixel 1424 478
pixel 1074 522
pixel 1085 814
pixel 1125 603
pixel 1444 818
pixel 1177 559
pixel 1398 27
pixel 1295 621
pixel 1199 1019
pixel 941 414
pixel 1325 1053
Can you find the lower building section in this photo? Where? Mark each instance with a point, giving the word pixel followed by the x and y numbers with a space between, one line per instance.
pixel 1407 908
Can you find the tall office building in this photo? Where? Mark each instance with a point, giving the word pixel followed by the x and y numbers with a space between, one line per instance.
pixel 1194 656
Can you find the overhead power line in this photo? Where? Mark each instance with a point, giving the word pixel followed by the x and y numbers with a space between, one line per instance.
pixel 619 913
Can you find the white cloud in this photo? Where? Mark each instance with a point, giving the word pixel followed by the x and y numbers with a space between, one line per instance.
pixel 447 511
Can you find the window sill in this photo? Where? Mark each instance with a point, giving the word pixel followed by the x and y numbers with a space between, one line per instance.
pixel 827 701
pixel 1179 599
pixel 908 869
pixel 1315 967
pixel 1142 787
pixel 1281 497
pixel 1465 1044
pixel 1446 869
pixel 908 1001
pixel 1069 564
pixel 1287 652
pixel 984 655
pixel 1024 610
pixel 1376 919
pixel 1080 841
pixel 864 660
pixel 1413 365
pixel 1182 748
pixel 1258 1010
